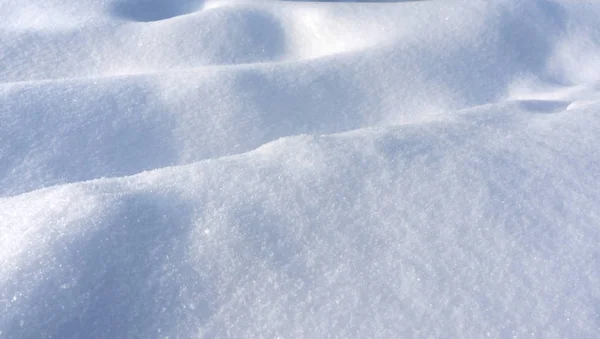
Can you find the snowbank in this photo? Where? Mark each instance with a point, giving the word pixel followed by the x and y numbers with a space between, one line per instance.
pixel 230 169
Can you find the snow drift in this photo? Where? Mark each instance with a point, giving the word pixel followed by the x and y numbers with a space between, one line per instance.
pixel 231 169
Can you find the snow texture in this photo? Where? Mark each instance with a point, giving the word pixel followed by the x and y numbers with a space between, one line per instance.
pixel 282 169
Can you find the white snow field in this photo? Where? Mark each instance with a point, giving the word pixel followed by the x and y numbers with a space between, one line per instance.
pixel 282 169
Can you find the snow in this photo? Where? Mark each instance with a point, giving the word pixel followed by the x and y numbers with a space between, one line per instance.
pixel 242 169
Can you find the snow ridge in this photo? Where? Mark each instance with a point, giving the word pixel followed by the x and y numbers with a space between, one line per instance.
pixel 227 169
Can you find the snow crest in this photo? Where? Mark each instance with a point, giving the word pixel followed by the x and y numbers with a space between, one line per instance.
pixel 231 169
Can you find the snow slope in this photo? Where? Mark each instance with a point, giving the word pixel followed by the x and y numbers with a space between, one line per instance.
pixel 241 169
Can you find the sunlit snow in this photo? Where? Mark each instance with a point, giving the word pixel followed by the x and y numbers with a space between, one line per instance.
pixel 296 169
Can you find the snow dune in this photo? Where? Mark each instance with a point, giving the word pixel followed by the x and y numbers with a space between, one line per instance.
pixel 240 169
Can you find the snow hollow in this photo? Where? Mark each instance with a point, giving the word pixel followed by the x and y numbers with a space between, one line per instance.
pixel 296 169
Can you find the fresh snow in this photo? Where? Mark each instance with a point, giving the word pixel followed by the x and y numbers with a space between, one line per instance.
pixel 283 169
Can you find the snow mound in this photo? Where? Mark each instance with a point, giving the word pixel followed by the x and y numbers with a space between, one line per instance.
pixel 230 169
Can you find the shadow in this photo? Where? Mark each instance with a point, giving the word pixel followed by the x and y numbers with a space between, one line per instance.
pixel 374 1
pixel 154 10
pixel 544 106
pixel 126 278
pixel 531 42
pixel 113 128
pixel 299 108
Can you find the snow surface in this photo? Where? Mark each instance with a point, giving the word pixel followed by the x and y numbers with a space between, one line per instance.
pixel 280 169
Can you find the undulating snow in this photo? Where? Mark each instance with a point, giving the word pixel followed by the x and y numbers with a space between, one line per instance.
pixel 282 169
